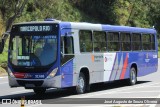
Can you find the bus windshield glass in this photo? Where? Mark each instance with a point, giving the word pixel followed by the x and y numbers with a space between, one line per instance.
pixel 33 50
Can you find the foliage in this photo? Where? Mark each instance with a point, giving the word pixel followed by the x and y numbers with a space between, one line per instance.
pixel 10 10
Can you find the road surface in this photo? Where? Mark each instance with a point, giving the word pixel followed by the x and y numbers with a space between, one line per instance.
pixel 146 87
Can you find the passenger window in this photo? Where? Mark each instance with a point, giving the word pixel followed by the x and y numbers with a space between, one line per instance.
pixel 146 41
pixel 100 42
pixel 85 38
pixel 113 41
pixel 152 42
pixel 136 42
pixel 125 41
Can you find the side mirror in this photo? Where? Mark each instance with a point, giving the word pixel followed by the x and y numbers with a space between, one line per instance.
pixel 1 45
pixel 3 40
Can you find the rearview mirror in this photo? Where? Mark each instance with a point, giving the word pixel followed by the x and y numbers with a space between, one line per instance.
pixel 3 40
pixel 1 45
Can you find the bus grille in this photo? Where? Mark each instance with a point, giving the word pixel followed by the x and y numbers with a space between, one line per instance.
pixel 36 83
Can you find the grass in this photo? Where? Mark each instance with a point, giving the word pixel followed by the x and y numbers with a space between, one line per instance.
pixel 158 54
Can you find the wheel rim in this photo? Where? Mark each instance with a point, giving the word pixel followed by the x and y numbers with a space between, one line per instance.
pixel 133 77
pixel 81 84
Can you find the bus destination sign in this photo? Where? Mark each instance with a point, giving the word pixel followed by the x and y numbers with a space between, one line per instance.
pixel 36 28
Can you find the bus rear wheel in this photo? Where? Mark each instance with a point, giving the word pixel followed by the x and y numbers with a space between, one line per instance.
pixel 133 76
pixel 39 91
pixel 81 84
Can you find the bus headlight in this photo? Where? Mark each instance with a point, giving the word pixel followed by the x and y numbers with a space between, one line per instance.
pixel 52 74
pixel 10 73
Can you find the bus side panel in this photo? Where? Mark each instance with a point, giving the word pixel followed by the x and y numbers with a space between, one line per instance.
pixel 67 74
pixel 133 58
pixel 67 67
pixel 153 62
pixel 149 63
pixel 109 62
pixel 94 64
pixel 146 63
pixel 125 68
pixel 120 67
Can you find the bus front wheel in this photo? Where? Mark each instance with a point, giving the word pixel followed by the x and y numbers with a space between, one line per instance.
pixel 133 76
pixel 39 91
pixel 81 84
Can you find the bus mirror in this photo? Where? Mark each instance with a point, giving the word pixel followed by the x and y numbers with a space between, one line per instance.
pixel 3 40
pixel 1 45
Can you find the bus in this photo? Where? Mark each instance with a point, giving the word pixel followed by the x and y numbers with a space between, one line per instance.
pixel 56 54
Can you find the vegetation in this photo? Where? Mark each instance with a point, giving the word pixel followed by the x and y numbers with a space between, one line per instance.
pixel 139 13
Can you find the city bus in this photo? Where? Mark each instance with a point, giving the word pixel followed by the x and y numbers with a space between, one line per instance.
pixel 56 54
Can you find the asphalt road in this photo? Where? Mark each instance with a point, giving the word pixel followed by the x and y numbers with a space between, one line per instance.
pixel 146 87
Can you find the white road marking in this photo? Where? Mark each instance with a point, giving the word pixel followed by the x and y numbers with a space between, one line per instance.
pixel 21 91
pixel 116 91
pixel 4 83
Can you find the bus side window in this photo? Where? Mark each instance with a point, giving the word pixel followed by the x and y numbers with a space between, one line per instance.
pixel 67 49
pixel 136 42
pixel 85 39
pixel 146 41
pixel 113 41
pixel 100 42
pixel 125 41
pixel 152 42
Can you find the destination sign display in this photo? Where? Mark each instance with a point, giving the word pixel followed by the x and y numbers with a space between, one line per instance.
pixel 36 28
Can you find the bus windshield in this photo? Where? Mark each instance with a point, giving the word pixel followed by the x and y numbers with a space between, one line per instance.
pixel 33 50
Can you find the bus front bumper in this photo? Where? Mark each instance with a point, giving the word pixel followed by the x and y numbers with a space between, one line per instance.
pixel 54 82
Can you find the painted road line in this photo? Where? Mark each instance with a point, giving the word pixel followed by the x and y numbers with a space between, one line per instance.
pixel 7 91
pixel 21 91
pixel 115 91
pixel 4 83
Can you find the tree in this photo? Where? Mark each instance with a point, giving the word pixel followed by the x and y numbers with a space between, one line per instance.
pixel 100 10
pixel 10 10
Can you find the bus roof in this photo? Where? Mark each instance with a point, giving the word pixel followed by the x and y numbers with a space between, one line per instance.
pixel 105 27
pixel 91 26
pixel 128 29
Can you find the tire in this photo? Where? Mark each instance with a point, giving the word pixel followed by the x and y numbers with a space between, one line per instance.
pixel 39 91
pixel 133 77
pixel 81 84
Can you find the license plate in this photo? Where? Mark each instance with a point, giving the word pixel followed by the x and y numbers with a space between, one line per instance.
pixel 29 85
